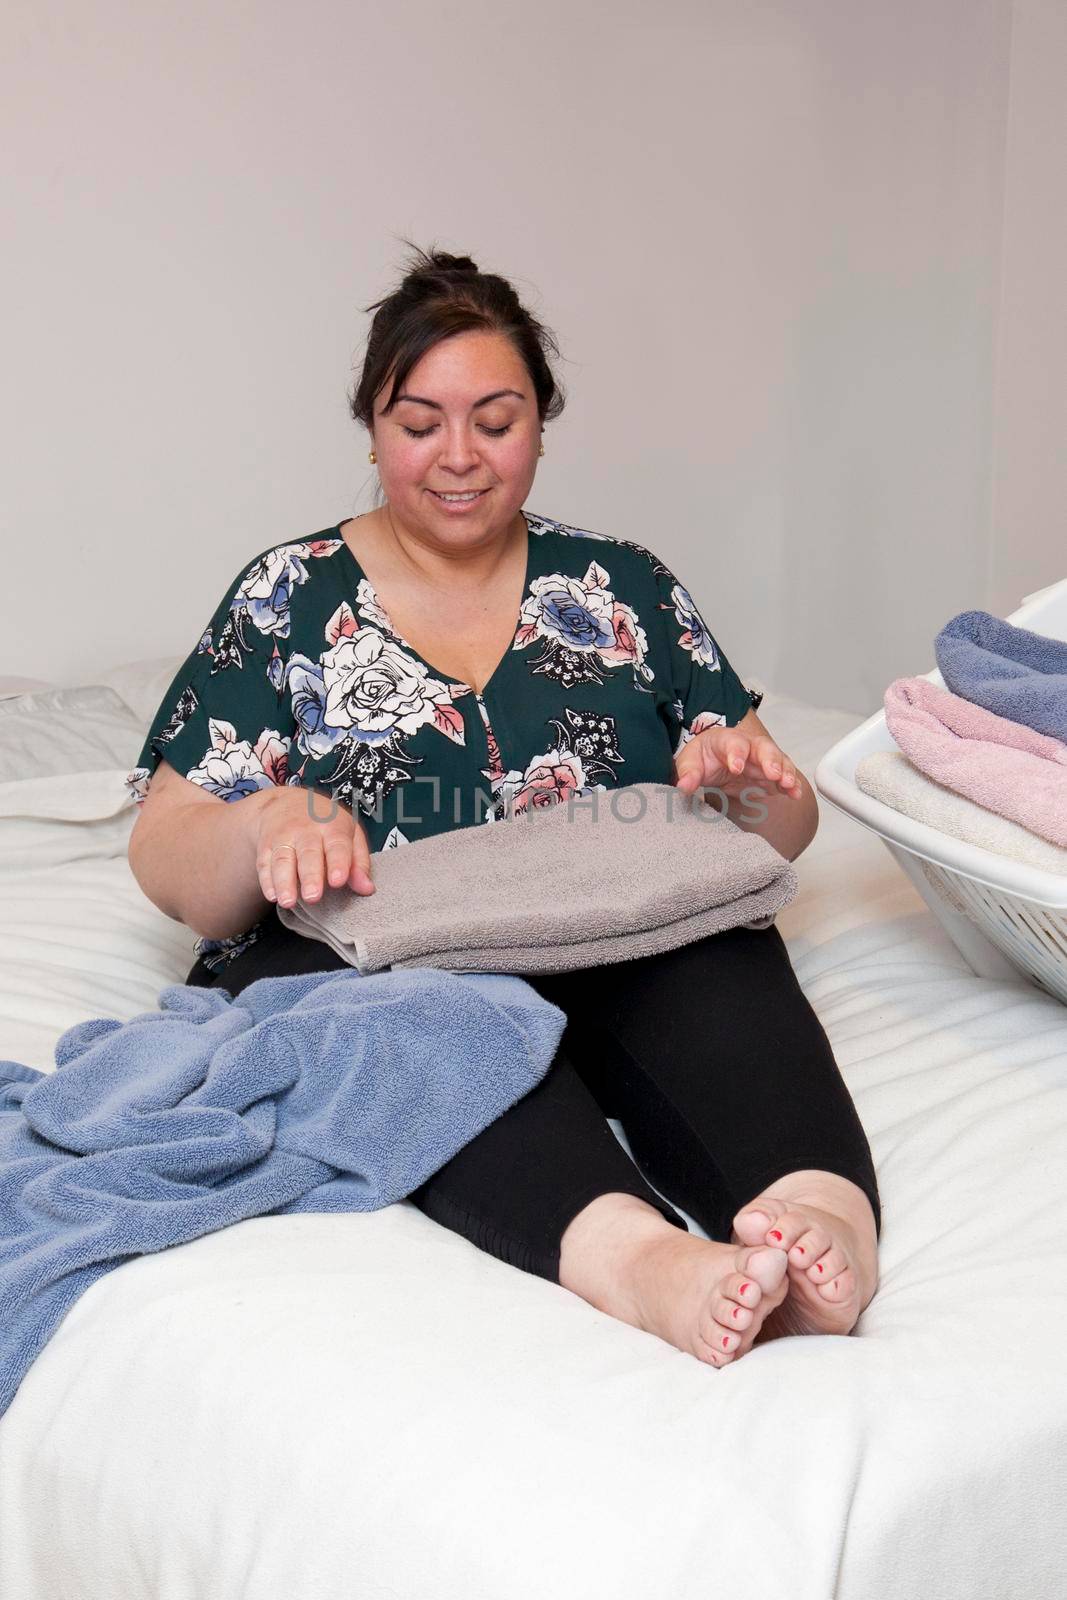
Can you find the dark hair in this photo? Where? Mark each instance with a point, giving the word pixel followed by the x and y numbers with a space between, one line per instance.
pixel 442 295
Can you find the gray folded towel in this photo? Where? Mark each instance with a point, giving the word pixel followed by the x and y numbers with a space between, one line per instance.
pixel 605 876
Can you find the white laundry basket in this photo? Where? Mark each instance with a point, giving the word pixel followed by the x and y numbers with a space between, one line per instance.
pixel 1003 916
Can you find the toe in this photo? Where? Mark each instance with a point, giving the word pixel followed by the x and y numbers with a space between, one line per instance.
pixel 842 1286
pixel 829 1264
pixel 717 1341
pixel 767 1267
pixel 808 1248
pixel 714 1358
pixel 751 1222
pixel 788 1230
pixel 746 1291
pixel 728 1307
pixel 739 1295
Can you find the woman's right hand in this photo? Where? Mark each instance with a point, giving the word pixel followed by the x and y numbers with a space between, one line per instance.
pixel 298 848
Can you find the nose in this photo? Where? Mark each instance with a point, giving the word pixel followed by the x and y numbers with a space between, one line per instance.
pixel 459 454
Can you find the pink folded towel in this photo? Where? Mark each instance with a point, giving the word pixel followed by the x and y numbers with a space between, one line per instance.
pixel 1005 766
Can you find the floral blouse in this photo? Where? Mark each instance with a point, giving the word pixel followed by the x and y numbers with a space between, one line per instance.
pixel 300 678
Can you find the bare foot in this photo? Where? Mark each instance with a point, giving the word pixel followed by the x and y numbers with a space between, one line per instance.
pixel 826 1227
pixel 707 1298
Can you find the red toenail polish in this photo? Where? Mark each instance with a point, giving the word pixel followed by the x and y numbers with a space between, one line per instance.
pixel 726 1341
pixel 737 1311
pixel 800 1247
pixel 818 1266
pixel 745 1287
pixel 775 1234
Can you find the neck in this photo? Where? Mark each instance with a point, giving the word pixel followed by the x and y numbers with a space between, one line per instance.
pixel 459 567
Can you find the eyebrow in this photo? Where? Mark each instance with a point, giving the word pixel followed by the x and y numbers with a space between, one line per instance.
pixel 498 394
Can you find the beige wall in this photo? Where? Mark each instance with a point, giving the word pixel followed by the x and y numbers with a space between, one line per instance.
pixel 1029 504
pixel 805 261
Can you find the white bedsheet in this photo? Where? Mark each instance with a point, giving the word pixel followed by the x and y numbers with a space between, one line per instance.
pixel 311 1406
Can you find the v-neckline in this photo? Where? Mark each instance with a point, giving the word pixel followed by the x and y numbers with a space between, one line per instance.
pixel 445 677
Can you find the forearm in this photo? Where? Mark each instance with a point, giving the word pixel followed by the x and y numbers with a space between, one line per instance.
pixel 788 824
pixel 197 864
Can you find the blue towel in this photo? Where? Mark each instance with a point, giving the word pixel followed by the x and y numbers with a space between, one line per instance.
pixel 328 1091
pixel 1015 673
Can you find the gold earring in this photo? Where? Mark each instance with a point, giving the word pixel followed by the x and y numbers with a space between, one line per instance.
pixel 372 458
pixel 541 451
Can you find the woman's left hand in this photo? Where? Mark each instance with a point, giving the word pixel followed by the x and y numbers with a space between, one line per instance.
pixel 727 759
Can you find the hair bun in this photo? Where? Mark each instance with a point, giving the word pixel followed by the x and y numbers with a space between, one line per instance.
pixel 446 263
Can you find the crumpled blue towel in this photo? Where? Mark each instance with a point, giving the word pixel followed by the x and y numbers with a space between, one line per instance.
pixel 1008 670
pixel 328 1091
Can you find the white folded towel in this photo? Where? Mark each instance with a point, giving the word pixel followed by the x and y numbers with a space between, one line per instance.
pixel 889 776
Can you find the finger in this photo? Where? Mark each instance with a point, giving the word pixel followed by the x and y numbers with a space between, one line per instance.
pixel 338 850
pixel 271 869
pixel 263 872
pixel 309 866
pixel 781 770
pixel 266 880
pixel 791 785
pixel 689 766
pixel 347 854
pixel 789 778
pixel 699 774
pixel 281 872
pixel 737 751
pixel 359 878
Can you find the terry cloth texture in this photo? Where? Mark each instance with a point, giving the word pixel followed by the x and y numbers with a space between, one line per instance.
pixel 607 876
pixel 1002 765
pixel 1008 670
pixel 889 776
pixel 323 1092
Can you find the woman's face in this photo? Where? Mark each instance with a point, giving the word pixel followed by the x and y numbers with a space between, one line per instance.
pixel 466 424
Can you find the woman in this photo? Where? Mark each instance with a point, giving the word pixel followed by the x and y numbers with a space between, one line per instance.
pixel 498 659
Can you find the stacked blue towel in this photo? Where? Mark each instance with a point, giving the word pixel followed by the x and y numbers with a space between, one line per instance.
pixel 1010 671
pixel 329 1091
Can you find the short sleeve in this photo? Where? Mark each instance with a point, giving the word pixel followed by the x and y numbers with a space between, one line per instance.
pixel 705 689
pixel 224 722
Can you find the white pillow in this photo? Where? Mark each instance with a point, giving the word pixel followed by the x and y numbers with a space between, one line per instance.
pixel 142 684
pixel 53 731
pixel 9 687
pixel 78 937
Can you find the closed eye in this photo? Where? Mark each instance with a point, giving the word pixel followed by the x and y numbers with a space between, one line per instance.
pixel 420 433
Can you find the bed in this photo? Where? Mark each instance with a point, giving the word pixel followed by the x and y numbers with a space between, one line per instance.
pixel 320 1405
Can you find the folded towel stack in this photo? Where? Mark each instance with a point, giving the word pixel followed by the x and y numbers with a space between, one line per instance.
pixel 992 743
pixel 602 877
pixel 1008 768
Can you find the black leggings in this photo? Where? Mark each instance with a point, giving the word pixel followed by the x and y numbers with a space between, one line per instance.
pixel 710 1056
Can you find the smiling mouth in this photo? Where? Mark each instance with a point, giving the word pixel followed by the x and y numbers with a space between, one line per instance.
pixel 453 498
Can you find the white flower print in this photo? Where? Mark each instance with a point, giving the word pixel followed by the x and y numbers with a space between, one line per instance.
pixel 233 768
pixel 374 688
pixel 265 590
